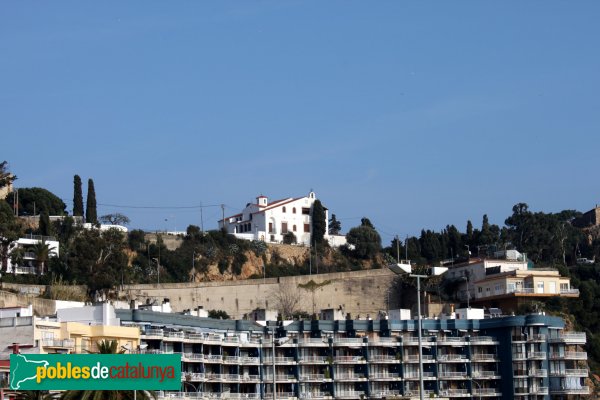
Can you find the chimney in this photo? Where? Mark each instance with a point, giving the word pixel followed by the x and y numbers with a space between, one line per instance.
pixel 15 347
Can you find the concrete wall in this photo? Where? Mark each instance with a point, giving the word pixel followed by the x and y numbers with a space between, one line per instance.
pixel 41 307
pixel 359 293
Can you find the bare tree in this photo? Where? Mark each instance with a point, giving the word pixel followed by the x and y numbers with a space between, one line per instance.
pixel 287 299
pixel 115 219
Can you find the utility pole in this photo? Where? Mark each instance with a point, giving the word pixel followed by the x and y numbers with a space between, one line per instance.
pixel 223 214
pixel 201 218
pixel 398 249
pixel 316 258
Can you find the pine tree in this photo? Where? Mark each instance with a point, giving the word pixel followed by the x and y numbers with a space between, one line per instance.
pixel 91 215
pixel 77 197
pixel 335 226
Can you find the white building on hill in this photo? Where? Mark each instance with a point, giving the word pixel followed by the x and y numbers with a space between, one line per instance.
pixel 270 221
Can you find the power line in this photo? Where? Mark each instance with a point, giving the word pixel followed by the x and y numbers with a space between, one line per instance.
pixel 160 207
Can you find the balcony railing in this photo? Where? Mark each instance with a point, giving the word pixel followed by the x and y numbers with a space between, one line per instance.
pixel 537 355
pixel 486 392
pixel 484 374
pixel 64 343
pixel 569 291
pixel 452 374
pixel 312 359
pixel 577 390
pixel 570 355
pixel 484 357
pixel 569 337
pixel 481 339
pixel 314 395
pixel 540 373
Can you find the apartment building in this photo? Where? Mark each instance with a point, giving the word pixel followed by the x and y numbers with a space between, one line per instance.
pixel 523 357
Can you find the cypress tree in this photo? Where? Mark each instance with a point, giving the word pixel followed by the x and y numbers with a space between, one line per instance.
pixel 91 215
pixel 44 224
pixel 318 223
pixel 77 197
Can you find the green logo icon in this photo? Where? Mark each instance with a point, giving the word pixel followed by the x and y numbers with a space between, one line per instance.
pixel 95 371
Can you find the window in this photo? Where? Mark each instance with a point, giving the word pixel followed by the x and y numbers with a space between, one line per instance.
pixel 283 209
pixel 511 287
pixel 294 210
pixel 306 227
pixel 270 227
pixel 284 227
pixel 294 228
pixel 305 210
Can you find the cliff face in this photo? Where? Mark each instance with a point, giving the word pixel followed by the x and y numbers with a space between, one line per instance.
pixel 292 255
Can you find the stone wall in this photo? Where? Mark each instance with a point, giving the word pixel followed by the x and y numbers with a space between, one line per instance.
pixel 359 293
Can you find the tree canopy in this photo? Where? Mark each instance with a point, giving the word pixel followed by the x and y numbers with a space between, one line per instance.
pixel 77 197
pixel 91 215
pixel 34 201
pixel 318 223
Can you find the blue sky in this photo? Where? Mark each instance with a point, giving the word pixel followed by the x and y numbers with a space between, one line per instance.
pixel 415 114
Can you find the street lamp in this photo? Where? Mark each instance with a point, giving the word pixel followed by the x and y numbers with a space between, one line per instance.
pixel 406 268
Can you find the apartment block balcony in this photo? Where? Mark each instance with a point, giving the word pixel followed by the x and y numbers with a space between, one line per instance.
pixel 213 358
pixel 281 395
pixel 384 376
pixel 312 360
pixel 192 376
pixel 415 375
pixel 384 341
pixel 455 393
pixel 570 372
pixel 519 356
pixel 452 358
pixel 193 357
pixel 569 338
pixel 348 341
pixel 414 358
pixel 581 390
pixel 483 340
pixel 536 338
pixel 312 377
pixel 569 355
pixel 59 343
pixel 485 375
pixel 349 394
pixel 153 333
pixel 449 375
pixel 349 377
pixel 449 340
pixel 315 395
pixel 486 392
pixel 349 360
pixel 194 337
pixel 379 394
pixel 230 341
pixel 312 342
pixel 232 360
pixel 414 340
pixel 538 373
pixel 177 336
pixel 246 360
pixel 484 357
pixel 570 292
pixel 540 390
pixel 537 355
pixel 246 378
pixel 383 359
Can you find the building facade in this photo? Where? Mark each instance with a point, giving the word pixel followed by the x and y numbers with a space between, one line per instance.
pixel 28 262
pixel 522 357
pixel 269 221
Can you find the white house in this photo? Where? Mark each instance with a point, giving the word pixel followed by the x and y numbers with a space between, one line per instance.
pixel 270 221
pixel 28 265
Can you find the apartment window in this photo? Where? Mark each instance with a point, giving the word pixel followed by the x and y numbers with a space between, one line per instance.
pixel 564 286
pixel 270 227
pixel 294 210
pixel 511 287
pixel 306 227
pixel 294 228
pixel 283 209
pixel 305 210
pixel 284 227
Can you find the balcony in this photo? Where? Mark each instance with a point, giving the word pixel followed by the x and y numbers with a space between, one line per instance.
pixel 538 373
pixel 347 341
pixel 384 359
pixel 174 335
pixel 349 394
pixel 576 390
pixel 452 375
pixel 454 393
pixel 537 355
pixel 413 358
pixel 450 340
pixel 415 375
pixel 315 395
pixel 58 343
pixel 569 338
pixel 484 357
pixel 485 374
pixel 571 292
pixel 452 358
pixel 192 376
pixel 345 376
pixel 350 359
pixel 482 340
pixel 312 377
pixel 540 390
pixel 231 360
pixel 569 355
pixel 281 395
pixel 486 392
pixel 250 378
pixel 379 394
pixel 191 357
pixel 213 358
pixel 536 338
pixel 153 333
pixel 383 376
pixel 312 360
pixel 570 372
pixel 246 360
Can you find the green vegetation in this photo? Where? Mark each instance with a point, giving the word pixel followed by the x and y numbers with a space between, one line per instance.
pixel 319 224
pixel 77 197
pixel 34 201
pixel 91 215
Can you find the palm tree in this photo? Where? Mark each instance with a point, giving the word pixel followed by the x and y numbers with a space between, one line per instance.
pixel 42 252
pixel 107 347
pixel 35 395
